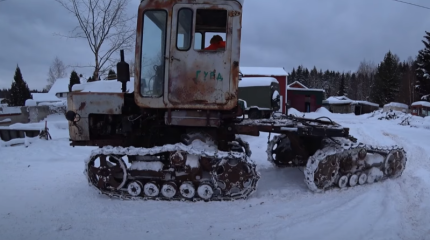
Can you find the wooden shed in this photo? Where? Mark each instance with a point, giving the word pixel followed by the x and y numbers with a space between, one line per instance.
pixel 420 108
pixel 304 99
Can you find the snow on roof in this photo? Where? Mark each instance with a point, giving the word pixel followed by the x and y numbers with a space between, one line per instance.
pixel 306 89
pixel 263 71
pixel 396 104
pixel 421 103
pixel 297 82
pixel 366 103
pixel 425 97
pixel 110 86
pixel 338 100
pixel 61 85
pixel 257 81
pixel 45 97
pixel 345 100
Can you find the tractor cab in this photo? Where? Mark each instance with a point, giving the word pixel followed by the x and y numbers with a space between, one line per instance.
pixel 174 68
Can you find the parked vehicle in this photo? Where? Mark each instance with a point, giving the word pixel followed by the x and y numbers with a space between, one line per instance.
pixel 261 95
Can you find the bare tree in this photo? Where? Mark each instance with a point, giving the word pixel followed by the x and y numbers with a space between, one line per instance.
pixel 56 70
pixel 106 27
pixel 365 75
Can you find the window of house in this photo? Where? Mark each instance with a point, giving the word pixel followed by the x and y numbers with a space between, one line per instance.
pixel 184 29
pixel 210 23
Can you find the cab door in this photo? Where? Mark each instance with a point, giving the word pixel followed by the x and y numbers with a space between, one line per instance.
pixel 199 78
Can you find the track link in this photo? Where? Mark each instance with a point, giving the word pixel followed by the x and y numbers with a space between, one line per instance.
pixel 175 172
pixel 342 163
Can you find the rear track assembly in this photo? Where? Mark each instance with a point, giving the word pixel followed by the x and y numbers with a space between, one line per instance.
pixel 347 164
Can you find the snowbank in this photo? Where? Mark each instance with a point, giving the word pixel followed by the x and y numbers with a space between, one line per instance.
pixel 323 111
pixel 396 104
pixel 401 118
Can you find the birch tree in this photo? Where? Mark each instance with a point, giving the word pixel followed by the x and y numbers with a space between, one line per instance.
pixel 105 25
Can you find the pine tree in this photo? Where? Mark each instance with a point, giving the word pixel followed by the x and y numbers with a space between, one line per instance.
pixel 19 91
pixel 342 87
pixel 74 79
pixel 423 68
pixel 387 80
pixel 111 75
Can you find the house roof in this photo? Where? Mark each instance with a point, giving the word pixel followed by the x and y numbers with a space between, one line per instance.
pixel 263 71
pixel 421 103
pixel 297 82
pixel 345 100
pixel 60 85
pixel 302 88
pixel 396 104
pixel 257 81
pixel 110 86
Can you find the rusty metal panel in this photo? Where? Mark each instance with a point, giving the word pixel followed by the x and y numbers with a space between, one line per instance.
pixel 85 104
pixel 193 118
pixel 194 79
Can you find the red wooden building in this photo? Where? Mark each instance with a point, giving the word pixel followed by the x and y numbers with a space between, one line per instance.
pixel 304 99
pixel 276 72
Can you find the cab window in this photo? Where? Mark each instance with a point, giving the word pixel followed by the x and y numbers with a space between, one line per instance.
pixel 210 30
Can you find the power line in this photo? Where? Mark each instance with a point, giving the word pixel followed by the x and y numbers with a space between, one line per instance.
pixel 413 4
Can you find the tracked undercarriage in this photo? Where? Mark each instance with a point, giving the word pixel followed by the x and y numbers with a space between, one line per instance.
pixel 337 162
pixel 174 172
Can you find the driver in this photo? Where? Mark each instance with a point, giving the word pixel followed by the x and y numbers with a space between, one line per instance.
pixel 216 43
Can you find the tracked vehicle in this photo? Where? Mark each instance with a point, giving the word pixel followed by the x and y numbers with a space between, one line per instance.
pixel 177 135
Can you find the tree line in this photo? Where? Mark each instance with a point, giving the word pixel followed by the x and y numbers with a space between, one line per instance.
pixel 391 80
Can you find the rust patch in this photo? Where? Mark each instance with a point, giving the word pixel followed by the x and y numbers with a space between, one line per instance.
pixel 82 106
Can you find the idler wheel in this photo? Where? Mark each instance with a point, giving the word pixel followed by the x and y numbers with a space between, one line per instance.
pixel 395 164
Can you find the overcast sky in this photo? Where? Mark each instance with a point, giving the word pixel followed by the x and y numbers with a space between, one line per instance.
pixel 330 34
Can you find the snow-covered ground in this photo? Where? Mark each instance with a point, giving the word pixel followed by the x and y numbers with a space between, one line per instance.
pixel 46 196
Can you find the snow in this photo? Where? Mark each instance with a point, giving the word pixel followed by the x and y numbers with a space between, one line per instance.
pixel 263 71
pixel 61 85
pixel 149 166
pixel 111 86
pixel 306 89
pixel 396 104
pixel 5 120
pixel 46 178
pixel 257 81
pixel 275 95
pixel 422 103
pixel 338 100
pixel 45 97
pixel 10 110
pixel 345 100
pixel 296 82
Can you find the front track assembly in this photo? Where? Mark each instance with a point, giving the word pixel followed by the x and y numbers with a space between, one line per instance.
pixel 172 172
pixel 343 164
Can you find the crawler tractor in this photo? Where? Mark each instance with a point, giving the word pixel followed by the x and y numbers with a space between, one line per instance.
pixel 176 134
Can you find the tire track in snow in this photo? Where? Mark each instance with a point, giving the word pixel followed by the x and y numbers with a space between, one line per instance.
pixel 414 188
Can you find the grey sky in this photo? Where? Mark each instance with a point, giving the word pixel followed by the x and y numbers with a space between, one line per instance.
pixel 330 34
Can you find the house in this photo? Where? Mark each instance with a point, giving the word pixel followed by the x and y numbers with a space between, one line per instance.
pixel 304 99
pixel 60 88
pixel 278 73
pixel 420 108
pixel 342 104
pixel 395 106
